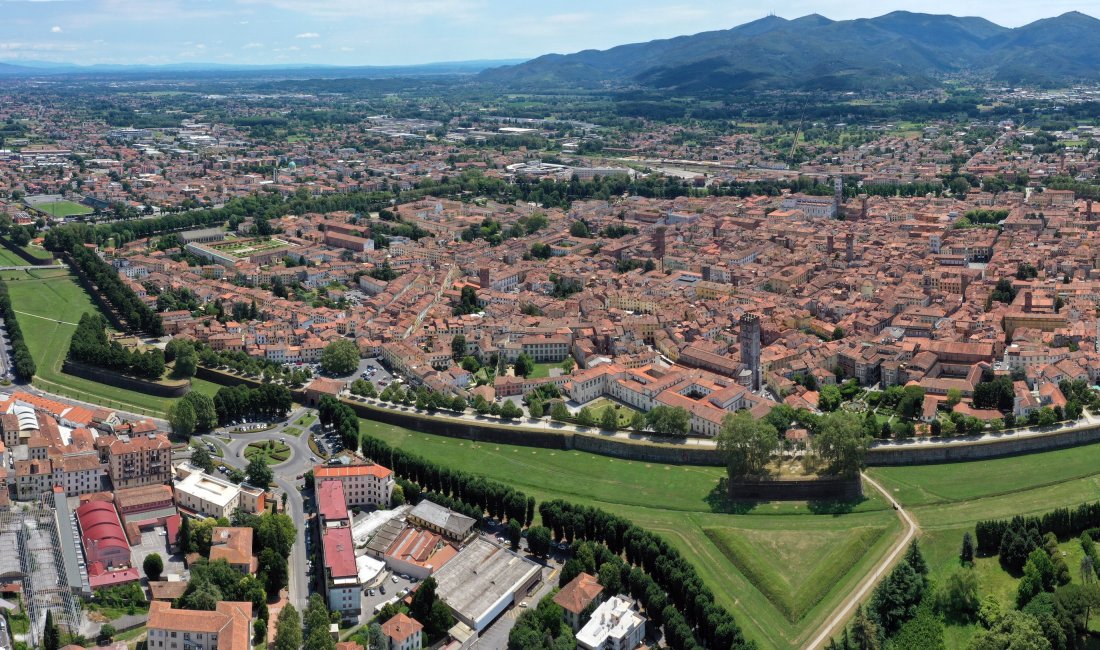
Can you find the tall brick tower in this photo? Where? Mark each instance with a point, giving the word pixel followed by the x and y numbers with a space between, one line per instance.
pixel 750 348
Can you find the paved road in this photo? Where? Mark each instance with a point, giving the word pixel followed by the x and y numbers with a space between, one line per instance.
pixel 836 622
pixel 286 474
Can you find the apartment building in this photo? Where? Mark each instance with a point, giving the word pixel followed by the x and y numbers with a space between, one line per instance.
pixel 364 485
pixel 138 461
pixel 228 627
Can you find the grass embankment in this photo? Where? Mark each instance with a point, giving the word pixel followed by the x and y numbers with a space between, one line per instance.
pixel 683 504
pixel 48 304
pixel 947 500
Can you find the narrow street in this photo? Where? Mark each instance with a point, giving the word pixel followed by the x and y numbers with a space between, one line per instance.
pixel 286 474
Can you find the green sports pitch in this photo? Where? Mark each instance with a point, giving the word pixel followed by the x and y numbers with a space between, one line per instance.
pixel 64 209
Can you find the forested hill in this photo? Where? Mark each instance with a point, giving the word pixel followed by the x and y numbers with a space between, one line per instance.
pixel 900 50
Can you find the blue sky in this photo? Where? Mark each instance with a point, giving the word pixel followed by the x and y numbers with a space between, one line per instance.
pixel 393 32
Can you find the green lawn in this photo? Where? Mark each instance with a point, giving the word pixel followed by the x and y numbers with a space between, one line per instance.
pixel 683 504
pixel 8 258
pixel 543 370
pixel 624 412
pixel 64 209
pixel 273 452
pixel 947 500
pixel 48 305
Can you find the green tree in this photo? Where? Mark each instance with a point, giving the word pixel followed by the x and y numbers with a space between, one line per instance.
pixel 841 443
pixel 523 366
pixel 107 632
pixel 609 419
pixel 1013 630
pixel 458 347
pixel 954 396
pixel 206 416
pixel 585 417
pixel 669 420
pixel 538 540
pixel 51 636
pixel 829 398
pixel 288 629
pixel 959 599
pixel 747 444
pixel 558 412
pixel 966 555
pixel 201 458
pixel 153 566
pixel 341 357
pixel 181 417
pixel 259 472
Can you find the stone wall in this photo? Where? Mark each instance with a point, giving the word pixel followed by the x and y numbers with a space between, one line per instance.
pixel 111 378
pixel 963 450
pixel 669 454
pixel 797 489
pixel 30 259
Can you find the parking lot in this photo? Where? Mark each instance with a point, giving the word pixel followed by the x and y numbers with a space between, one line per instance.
pixel 392 589
pixel 156 541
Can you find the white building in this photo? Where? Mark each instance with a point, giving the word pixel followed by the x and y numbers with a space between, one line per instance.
pixel 613 626
pixel 211 496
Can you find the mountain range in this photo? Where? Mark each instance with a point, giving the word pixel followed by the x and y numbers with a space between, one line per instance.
pixel 900 50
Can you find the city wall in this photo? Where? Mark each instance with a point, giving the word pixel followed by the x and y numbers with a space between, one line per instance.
pixel 964 450
pixel 111 378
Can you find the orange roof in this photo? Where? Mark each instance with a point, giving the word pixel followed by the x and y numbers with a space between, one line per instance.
pixel 579 593
pixel 338 471
pixel 401 627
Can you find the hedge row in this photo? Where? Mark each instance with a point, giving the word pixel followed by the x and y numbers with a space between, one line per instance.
pixel 497 499
pixel 690 603
pixel 1063 522
pixel 130 308
pixel 22 362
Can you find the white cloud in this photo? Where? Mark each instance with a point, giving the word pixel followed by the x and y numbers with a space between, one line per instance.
pixel 347 49
pixel 55 29
pixel 293 48
pixel 252 46
pixel 308 35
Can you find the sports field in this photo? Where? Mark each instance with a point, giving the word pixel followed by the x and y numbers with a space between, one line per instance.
pixel 48 305
pixel 64 209
pixel 796 565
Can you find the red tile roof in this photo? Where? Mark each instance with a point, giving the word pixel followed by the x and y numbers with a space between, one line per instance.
pixel 331 503
pixel 339 553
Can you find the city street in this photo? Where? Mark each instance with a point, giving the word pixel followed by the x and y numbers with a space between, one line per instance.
pixel 286 474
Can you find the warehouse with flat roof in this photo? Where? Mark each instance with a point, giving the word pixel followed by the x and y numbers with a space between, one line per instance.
pixel 483 581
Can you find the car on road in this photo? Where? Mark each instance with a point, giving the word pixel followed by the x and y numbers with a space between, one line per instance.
pixel 394 578
pixel 382 589
pixel 523 604
pixel 313 459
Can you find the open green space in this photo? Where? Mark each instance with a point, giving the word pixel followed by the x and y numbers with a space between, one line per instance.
pixel 947 500
pixel 48 305
pixel 8 258
pixel 685 505
pixel 541 370
pixel 623 412
pixel 272 451
pixel 64 209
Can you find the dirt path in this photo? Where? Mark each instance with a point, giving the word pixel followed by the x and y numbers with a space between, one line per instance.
pixel 840 616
